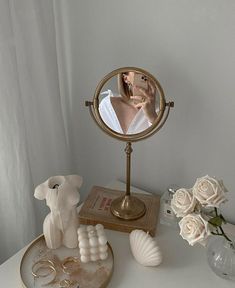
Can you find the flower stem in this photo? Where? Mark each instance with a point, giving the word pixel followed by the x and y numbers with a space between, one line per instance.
pixel 222 230
pixel 225 236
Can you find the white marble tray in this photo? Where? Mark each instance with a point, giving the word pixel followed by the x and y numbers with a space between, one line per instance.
pixel 89 275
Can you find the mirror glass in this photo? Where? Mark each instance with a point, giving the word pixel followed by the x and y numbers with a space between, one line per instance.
pixel 129 102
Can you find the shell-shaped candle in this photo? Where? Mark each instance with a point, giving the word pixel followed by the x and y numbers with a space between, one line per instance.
pixel 145 249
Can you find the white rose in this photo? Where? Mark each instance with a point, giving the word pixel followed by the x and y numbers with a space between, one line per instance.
pixel 194 229
pixel 209 191
pixel 183 202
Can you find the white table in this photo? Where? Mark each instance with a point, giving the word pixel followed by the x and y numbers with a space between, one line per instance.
pixel 183 265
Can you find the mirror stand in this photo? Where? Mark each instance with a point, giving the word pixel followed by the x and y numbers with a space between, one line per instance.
pixel 130 83
pixel 128 207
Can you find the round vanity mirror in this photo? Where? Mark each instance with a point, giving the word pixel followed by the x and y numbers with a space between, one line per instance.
pixel 129 105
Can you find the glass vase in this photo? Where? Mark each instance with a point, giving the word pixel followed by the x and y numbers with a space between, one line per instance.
pixel 221 257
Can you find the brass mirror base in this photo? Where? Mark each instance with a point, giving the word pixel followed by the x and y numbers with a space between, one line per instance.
pixel 128 207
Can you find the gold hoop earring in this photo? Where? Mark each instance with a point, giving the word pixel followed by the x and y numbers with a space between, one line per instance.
pixel 67 270
pixel 44 264
pixel 66 283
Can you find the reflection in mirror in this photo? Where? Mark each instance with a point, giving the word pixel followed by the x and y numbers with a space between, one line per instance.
pixel 129 102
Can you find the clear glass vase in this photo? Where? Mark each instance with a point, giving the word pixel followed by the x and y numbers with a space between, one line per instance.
pixel 221 257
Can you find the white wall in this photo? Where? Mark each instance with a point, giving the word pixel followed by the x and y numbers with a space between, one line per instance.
pixel 189 45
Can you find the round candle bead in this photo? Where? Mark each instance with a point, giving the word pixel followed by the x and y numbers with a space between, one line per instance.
pixel 85 259
pixel 103 256
pixel 90 228
pixel 100 232
pixel 84 243
pixel 99 227
pixel 102 240
pixel 103 248
pixel 82 236
pixel 92 233
pixel 93 241
pixel 94 250
pixel 84 252
pixel 94 257
pixel 81 229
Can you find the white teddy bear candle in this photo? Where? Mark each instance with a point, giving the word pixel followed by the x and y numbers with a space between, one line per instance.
pixel 92 243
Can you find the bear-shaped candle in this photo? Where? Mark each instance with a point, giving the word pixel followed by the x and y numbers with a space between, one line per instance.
pixel 92 243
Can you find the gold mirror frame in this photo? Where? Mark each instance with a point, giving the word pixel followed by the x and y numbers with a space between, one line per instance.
pixel 128 207
pixel 127 137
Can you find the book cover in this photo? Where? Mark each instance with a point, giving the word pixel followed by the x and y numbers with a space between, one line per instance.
pixel 96 209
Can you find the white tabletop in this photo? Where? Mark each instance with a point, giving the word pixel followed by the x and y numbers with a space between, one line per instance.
pixel 183 265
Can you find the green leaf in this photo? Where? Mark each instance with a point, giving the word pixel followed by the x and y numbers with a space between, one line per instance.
pixel 216 221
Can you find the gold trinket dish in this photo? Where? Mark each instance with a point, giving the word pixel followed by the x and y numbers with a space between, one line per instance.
pixel 44 267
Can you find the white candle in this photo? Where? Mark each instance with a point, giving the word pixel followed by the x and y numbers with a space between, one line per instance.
pixel 103 248
pixel 94 250
pixel 145 249
pixel 84 243
pixel 92 243
pixel 102 240
pixel 85 259
pixel 94 257
pixel 103 256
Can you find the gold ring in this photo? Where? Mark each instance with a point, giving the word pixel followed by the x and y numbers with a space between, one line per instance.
pixel 37 275
pixel 53 270
pixel 45 263
pixel 66 269
pixel 53 280
pixel 66 283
